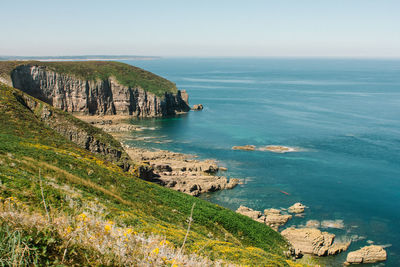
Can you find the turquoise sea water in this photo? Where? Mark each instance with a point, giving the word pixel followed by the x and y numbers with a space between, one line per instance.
pixel 344 114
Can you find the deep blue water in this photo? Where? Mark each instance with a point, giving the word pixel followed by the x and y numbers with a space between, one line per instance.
pixel 345 114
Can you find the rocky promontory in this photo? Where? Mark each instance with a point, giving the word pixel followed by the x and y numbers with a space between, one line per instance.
pixel 97 88
pixel 182 172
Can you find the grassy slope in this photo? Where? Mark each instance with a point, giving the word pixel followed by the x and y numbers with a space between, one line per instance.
pixel 26 146
pixel 92 70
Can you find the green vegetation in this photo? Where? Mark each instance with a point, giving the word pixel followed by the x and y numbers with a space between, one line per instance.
pixel 101 70
pixel 92 203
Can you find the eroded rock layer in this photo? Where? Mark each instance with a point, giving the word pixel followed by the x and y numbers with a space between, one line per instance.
pixel 99 97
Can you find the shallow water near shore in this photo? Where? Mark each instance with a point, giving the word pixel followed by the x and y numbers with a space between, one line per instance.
pixel 343 115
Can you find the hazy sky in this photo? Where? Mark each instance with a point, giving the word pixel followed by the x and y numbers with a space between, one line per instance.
pixel 344 28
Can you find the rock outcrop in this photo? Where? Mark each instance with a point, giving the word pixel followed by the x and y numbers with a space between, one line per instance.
pixel 271 217
pixel 369 254
pixel 95 97
pixel 313 241
pixel 254 214
pixel 297 208
pixel 181 172
pixel 274 218
pixel 197 107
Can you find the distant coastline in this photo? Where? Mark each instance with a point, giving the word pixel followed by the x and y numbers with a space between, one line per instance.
pixel 79 58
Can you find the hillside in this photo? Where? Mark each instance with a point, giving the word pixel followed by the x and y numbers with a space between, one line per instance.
pixel 62 204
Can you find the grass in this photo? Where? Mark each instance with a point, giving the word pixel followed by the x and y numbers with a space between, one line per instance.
pixel 101 70
pixel 75 180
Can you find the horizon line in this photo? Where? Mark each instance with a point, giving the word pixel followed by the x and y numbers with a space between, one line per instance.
pixel 121 56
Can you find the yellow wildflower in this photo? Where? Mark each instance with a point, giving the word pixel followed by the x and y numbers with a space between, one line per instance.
pixel 82 217
pixel 128 231
pixel 155 251
pixel 164 242
pixel 107 228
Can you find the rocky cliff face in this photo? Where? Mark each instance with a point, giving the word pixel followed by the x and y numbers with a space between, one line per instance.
pixel 101 97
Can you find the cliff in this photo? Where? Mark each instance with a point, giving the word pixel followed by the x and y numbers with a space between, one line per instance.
pixel 97 88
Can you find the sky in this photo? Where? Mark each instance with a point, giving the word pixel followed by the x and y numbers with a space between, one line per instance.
pixel 204 28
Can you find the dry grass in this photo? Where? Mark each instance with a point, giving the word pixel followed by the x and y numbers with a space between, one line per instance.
pixel 114 243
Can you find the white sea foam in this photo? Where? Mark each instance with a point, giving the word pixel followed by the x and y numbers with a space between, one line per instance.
pixel 338 224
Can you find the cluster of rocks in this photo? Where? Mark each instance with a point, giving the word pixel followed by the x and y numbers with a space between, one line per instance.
pixel 314 242
pixel 271 217
pixel 182 172
pixel 309 239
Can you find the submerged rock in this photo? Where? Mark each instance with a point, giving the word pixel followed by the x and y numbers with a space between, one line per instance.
pixel 369 254
pixel 338 224
pixel 279 149
pixel 313 224
pixel 246 147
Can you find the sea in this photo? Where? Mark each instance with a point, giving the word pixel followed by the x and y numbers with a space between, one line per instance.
pixel 342 116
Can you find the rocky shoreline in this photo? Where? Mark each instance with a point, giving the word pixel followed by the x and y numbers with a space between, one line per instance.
pixel 185 173
pixel 309 240
pixel 180 172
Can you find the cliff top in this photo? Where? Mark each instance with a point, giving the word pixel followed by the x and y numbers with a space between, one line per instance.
pixel 125 74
